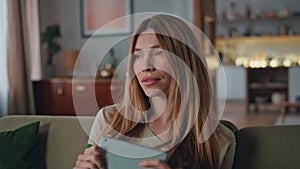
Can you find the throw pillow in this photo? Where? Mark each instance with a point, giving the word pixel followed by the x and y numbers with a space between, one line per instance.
pixel 19 147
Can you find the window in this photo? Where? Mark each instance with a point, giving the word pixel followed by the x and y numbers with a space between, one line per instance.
pixel 3 59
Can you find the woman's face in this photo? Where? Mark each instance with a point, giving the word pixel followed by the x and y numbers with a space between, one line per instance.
pixel 151 65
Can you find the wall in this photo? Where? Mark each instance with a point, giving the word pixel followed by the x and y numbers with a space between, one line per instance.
pixel 235 83
pixel 294 83
pixel 67 14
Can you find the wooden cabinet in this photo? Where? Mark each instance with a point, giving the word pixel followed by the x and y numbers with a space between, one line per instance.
pixel 63 96
pixel 266 87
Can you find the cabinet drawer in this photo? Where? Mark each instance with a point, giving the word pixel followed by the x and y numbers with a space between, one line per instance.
pixel 56 97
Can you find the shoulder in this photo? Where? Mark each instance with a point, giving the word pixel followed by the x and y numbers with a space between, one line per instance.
pixel 227 144
pixel 226 135
pixel 99 124
pixel 105 111
pixel 226 138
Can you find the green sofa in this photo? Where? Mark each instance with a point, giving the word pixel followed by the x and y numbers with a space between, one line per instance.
pixel 269 147
pixel 66 136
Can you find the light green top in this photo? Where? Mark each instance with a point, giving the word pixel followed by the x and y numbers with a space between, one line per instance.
pixel 150 140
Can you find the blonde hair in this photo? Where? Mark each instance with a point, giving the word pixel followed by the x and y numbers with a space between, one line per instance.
pixel 181 105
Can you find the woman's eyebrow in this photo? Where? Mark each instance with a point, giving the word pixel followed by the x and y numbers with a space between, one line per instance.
pixel 154 46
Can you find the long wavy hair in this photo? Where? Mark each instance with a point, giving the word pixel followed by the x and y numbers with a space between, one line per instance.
pixel 190 112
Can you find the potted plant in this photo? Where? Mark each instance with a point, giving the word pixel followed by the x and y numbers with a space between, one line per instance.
pixel 50 37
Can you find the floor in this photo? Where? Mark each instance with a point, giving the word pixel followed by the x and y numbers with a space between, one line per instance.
pixel 235 111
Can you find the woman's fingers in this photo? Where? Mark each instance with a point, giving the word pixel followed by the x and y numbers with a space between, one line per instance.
pixel 154 163
pixel 93 150
pixel 91 159
pixel 87 165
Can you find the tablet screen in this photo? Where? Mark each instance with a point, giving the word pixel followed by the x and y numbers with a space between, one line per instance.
pixel 121 154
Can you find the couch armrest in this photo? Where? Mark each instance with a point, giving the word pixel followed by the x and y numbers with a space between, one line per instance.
pixel 268 147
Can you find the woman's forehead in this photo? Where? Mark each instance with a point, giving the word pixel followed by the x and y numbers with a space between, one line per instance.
pixel 146 40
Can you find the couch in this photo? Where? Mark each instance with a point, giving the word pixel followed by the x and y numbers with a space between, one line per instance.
pixel 268 147
pixel 262 147
pixel 66 136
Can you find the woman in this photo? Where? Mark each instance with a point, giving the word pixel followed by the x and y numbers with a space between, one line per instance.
pixel 165 105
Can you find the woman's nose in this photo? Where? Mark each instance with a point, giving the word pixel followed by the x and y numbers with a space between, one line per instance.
pixel 150 69
pixel 148 65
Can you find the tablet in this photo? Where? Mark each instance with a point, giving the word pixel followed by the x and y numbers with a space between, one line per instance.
pixel 121 154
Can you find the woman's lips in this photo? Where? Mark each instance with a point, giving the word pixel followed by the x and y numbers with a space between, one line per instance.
pixel 150 81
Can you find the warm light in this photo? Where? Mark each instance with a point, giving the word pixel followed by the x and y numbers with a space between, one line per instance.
pixel 263 64
pixel 246 63
pixel 240 61
pixel 212 62
pixel 258 64
pixel 274 63
pixel 287 63
pixel 252 64
pixel 299 62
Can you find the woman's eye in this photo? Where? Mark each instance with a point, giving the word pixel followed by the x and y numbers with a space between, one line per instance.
pixel 159 53
pixel 135 56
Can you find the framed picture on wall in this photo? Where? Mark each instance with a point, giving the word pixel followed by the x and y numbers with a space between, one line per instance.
pixel 95 14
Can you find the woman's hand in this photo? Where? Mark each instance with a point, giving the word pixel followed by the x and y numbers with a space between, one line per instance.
pixel 155 163
pixel 90 159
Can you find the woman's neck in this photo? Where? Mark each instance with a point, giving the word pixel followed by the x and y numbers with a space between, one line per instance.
pixel 158 119
pixel 158 107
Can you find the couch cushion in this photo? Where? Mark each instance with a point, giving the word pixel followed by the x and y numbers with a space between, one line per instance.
pixel 42 145
pixel 269 147
pixel 67 136
pixel 19 147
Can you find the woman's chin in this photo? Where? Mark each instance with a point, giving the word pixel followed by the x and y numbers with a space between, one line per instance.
pixel 154 92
